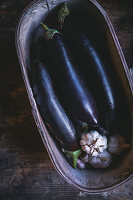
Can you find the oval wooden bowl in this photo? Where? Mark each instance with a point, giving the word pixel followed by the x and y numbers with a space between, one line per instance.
pixel 88 180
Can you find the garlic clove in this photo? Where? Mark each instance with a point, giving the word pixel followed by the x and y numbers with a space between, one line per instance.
pixel 80 164
pixel 103 160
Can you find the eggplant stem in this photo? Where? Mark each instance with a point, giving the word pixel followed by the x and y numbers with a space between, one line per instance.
pixel 49 32
pixel 63 13
pixel 74 156
pixel 84 127
pixel 45 26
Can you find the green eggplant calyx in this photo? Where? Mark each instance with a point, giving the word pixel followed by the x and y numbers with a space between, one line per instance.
pixel 63 13
pixel 49 32
pixel 84 127
pixel 74 156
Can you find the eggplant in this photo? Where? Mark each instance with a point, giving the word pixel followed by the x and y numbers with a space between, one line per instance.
pixel 101 77
pixel 52 112
pixel 71 86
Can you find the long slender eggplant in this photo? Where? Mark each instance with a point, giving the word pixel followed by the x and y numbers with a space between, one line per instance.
pixel 101 77
pixel 52 112
pixel 71 86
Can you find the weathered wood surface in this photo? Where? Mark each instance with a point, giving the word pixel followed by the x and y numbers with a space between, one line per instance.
pixel 26 172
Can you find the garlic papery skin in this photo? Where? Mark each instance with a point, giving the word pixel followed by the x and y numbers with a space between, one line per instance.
pixel 93 143
pixel 103 160
pixel 117 144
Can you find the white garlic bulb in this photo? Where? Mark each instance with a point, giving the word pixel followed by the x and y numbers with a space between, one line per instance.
pixel 93 143
pixel 117 144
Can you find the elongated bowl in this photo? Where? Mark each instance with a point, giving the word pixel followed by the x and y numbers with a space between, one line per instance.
pixel 88 180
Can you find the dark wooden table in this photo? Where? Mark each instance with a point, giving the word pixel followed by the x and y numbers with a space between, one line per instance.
pixel 26 172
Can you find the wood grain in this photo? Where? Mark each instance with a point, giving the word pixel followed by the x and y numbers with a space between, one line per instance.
pixel 26 172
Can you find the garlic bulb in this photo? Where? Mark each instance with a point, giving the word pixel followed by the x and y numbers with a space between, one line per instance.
pixel 103 160
pixel 117 144
pixel 93 143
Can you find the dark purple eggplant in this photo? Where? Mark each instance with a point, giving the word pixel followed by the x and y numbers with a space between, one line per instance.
pixel 101 77
pixel 70 84
pixel 51 110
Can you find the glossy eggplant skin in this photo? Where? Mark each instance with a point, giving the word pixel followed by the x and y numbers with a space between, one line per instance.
pixel 71 86
pixel 50 108
pixel 101 77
